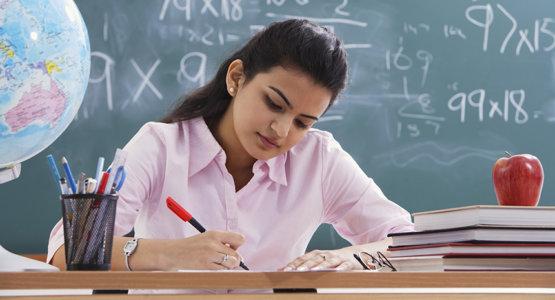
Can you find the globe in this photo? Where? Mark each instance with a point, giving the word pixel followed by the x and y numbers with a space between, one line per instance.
pixel 44 71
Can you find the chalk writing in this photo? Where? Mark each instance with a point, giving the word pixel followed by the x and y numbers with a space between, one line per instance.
pixel 513 101
pixel 526 39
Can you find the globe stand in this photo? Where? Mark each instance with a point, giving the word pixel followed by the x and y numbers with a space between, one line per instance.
pixel 10 262
pixel 9 173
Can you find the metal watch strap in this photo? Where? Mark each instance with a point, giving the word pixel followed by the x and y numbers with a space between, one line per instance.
pixel 128 250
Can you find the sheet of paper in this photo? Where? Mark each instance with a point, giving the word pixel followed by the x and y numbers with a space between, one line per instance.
pixel 10 262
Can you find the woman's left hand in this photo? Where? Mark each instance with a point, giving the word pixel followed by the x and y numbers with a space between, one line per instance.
pixel 320 260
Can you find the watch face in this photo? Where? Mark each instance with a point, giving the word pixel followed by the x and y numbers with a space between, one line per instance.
pixel 130 246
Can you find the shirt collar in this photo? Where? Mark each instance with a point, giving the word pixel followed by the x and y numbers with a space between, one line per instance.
pixel 276 169
pixel 204 148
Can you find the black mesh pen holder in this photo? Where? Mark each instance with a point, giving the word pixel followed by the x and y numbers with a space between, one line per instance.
pixel 88 230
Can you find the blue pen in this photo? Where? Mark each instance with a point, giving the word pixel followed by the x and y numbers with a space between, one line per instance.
pixel 70 179
pixel 54 171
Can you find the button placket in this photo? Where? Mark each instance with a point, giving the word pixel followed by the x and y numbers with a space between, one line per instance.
pixel 229 195
pixel 231 204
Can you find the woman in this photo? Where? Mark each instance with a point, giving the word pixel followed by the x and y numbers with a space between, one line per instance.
pixel 240 154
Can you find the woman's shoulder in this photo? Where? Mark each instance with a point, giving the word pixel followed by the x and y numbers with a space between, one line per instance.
pixel 168 131
pixel 316 140
pixel 160 128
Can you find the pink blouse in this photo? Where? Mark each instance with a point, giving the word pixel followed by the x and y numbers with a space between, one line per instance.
pixel 278 211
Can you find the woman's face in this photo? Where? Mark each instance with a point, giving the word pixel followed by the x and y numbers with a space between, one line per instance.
pixel 274 110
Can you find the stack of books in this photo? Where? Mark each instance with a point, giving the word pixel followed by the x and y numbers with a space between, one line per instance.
pixel 478 238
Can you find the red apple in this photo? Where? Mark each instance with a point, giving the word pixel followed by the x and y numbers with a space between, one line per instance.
pixel 518 180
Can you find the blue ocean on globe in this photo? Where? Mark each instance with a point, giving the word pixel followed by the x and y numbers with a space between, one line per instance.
pixel 44 71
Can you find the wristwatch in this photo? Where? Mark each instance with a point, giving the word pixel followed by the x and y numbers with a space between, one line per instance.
pixel 128 250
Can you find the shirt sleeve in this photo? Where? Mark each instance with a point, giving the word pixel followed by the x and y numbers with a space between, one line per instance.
pixel 353 203
pixel 143 165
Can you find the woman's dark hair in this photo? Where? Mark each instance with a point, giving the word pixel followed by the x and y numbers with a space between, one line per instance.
pixel 295 43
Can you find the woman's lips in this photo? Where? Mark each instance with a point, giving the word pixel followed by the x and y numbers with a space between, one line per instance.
pixel 266 141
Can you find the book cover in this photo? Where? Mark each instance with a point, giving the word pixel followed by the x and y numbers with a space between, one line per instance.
pixel 496 215
pixel 474 234
pixel 514 249
pixel 473 263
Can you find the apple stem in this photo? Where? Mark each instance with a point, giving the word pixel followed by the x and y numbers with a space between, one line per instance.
pixel 508 154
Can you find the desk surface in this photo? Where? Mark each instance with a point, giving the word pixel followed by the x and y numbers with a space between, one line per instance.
pixel 267 280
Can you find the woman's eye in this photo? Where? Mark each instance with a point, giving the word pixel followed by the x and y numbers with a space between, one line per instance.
pixel 300 124
pixel 271 104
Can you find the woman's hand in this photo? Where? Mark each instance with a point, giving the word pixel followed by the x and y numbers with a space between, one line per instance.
pixel 320 260
pixel 211 250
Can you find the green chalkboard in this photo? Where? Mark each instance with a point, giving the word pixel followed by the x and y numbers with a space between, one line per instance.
pixel 438 90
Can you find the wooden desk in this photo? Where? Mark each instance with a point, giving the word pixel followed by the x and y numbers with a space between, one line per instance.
pixel 269 280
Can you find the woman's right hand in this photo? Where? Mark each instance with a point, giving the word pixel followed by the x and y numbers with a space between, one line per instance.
pixel 205 251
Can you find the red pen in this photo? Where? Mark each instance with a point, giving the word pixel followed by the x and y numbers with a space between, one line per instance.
pixel 103 182
pixel 184 215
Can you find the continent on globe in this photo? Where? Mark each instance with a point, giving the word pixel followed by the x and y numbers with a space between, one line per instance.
pixel 39 105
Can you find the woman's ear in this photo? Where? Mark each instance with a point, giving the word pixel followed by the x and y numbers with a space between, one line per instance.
pixel 235 77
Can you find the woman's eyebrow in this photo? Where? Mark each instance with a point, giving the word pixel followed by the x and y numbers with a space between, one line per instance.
pixel 282 95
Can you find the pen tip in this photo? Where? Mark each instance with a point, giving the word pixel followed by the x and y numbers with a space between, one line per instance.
pixel 64 160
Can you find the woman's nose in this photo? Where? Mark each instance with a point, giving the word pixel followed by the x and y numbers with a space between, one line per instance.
pixel 281 126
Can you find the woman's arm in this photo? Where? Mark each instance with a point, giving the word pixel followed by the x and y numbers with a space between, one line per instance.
pixel 59 258
pixel 357 209
pixel 204 251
